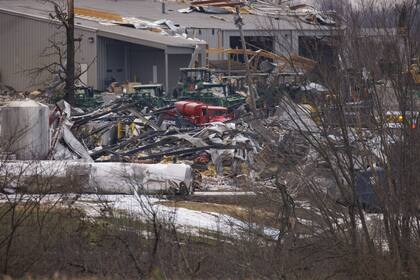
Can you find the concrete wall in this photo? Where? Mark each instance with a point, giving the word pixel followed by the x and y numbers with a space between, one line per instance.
pixel 22 42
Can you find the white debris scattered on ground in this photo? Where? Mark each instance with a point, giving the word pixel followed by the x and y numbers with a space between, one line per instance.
pixel 217 183
pixel 212 193
pixel 142 207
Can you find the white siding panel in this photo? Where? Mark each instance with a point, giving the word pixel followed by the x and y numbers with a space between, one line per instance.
pixel 23 41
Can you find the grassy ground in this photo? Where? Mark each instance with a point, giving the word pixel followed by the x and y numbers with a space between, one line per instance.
pixel 244 214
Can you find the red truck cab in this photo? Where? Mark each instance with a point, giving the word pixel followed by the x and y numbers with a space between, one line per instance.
pixel 200 113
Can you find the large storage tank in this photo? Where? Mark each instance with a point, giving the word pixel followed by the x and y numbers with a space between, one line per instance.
pixel 52 176
pixel 24 129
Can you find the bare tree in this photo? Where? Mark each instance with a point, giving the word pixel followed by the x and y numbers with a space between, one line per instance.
pixel 346 130
pixel 64 13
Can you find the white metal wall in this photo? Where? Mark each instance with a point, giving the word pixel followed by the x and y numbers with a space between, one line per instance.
pixel 23 40
pixel 213 37
pixel 139 63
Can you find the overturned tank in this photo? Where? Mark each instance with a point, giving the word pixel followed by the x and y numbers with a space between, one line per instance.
pixel 24 130
pixel 95 177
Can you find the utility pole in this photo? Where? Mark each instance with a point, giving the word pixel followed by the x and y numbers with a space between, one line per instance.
pixel 239 23
pixel 70 53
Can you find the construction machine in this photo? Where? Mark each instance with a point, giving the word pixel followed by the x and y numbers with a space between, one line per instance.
pixel 189 80
pixel 149 95
pixel 196 85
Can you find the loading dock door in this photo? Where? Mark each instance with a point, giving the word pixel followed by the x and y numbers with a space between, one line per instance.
pixel 115 66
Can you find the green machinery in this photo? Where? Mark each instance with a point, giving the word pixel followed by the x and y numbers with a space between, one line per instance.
pixel 214 94
pixel 191 77
pixel 196 84
pixel 149 95
pixel 87 97
pixel 84 97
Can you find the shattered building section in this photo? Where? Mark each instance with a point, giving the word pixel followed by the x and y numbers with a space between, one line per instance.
pixel 119 132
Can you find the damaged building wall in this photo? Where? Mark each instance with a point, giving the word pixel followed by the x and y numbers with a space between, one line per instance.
pixel 319 46
pixel 285 41
pixel 22 42
pixel 212 36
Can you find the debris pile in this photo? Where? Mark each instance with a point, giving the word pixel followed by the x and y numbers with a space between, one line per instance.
pixel 304 12
pixel 123 137
pixel 117 132
pixel 6 90
pixel 203 130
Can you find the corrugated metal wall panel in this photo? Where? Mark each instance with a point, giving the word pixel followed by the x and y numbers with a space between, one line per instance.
pixel 101 62
pixel 23 41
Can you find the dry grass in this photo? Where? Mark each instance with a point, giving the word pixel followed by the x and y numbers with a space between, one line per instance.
pixel 244 214
pixel 56 276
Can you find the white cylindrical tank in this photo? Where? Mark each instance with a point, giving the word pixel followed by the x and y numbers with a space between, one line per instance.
pixel 66 176
pixel 24 129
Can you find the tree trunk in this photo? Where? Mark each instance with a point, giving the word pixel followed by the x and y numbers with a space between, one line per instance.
pixel 70 79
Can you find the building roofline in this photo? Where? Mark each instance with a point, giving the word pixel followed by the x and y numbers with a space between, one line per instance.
pixel 143 37
pixel 40 18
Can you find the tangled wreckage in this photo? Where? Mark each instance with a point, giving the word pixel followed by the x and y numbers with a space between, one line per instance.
pixel 126 144
pixel 140 139
pixel 146 141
